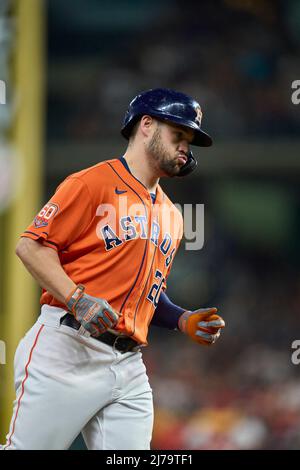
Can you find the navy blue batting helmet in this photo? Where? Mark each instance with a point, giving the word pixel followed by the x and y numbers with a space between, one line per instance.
pixel 167 105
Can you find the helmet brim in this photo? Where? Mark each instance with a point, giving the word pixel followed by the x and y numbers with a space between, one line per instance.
pixel 201 138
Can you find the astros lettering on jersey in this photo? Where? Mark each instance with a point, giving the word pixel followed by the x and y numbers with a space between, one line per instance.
pixel 123 255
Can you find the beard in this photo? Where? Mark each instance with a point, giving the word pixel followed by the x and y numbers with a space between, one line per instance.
pixel 159 158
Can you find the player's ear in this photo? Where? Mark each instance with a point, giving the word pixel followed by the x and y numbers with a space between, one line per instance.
pixel 146 125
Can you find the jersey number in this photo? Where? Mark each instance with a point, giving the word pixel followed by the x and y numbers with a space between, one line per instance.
pixel 48 211
pixel 155 290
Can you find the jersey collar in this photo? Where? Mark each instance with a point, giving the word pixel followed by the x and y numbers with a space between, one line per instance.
pixel 124 168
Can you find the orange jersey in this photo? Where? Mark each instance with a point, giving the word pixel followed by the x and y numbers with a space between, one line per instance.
pixel 111 238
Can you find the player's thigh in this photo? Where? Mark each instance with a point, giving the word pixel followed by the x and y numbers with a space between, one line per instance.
pixel 125 424
pixel 48 412
pixel 43 420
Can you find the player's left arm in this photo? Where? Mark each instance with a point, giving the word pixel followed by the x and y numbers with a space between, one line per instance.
pixel 202 325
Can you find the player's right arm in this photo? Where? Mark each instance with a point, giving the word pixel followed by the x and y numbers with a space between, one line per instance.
pixel 94 314
pixel 44 265
pixel 61 221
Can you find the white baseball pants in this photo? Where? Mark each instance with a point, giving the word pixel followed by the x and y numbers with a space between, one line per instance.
pixel 66 383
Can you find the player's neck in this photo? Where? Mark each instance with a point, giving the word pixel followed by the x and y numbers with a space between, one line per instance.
pixel 141 170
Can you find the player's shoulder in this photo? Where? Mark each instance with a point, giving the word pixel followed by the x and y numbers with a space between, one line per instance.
pixel 93 180
pixel 95 173
pixel 95 177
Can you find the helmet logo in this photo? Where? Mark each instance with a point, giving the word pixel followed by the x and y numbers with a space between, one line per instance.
pixel 198 115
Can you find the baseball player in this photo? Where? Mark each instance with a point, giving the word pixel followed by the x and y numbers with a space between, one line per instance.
pixel 102 249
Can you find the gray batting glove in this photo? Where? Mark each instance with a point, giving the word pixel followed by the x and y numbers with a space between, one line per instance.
pixel 94 314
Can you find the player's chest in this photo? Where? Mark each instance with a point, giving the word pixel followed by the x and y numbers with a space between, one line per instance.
pixel 129 224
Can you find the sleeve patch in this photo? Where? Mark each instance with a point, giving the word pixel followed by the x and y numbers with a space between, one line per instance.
pixel 43 217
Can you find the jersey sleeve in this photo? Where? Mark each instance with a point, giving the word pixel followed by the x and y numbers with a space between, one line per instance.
pixel 64 217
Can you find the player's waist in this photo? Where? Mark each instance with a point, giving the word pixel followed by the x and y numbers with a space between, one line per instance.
pixel 133 326
pixel 122 343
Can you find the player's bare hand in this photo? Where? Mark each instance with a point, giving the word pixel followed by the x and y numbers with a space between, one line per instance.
pixel 94 314
pixel 202 325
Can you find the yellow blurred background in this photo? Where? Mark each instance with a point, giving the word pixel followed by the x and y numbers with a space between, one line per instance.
pixel 21 150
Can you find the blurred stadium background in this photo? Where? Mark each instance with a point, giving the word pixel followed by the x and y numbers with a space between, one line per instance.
pixel 70 70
